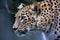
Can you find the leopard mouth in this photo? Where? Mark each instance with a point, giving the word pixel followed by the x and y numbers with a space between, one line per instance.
pixel 18 34
pixel 21 33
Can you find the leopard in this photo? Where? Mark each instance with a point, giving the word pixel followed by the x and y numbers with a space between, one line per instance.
pixel 25 19
pixel 43 16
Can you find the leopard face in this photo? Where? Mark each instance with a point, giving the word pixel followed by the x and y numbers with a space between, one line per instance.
pixel 24 20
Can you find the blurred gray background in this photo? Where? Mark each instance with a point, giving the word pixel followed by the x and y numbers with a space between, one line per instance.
pixel 6 22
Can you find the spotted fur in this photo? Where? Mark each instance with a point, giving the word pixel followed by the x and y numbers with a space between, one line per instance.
pixel 42 16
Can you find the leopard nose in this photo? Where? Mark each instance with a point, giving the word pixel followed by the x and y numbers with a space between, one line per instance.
pixel 14 29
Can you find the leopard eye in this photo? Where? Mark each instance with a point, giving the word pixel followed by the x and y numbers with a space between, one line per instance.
pixel 22 14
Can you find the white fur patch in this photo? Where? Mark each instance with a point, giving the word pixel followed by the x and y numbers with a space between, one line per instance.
pixel 20 6
pixel 22 20
pixel 28 29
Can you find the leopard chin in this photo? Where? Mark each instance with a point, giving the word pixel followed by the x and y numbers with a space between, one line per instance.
pixel 21 33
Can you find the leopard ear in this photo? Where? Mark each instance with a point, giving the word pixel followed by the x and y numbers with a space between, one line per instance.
pixel 21 6
pixel 32 6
